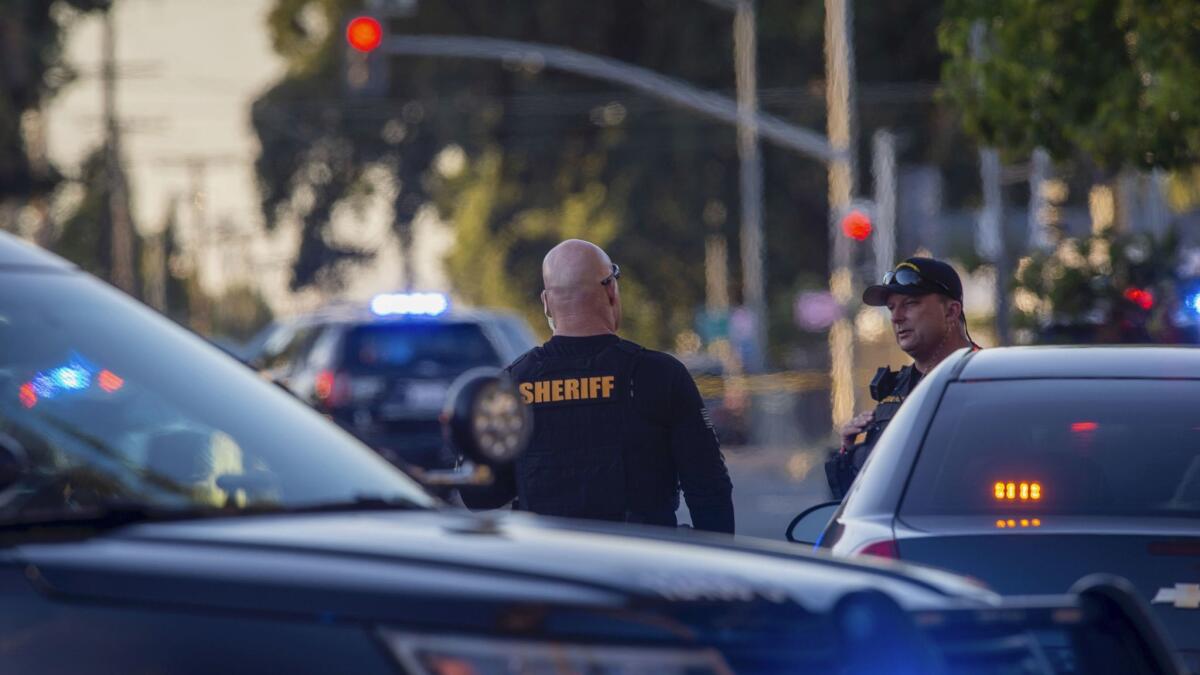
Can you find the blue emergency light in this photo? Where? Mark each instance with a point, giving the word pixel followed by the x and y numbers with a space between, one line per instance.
pixel 76 375
pixel 409 304
pixel 1192 303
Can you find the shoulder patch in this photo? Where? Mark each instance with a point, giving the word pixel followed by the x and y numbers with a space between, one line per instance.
pixel 569 389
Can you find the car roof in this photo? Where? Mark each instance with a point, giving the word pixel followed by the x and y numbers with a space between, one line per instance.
pixel 354 315
pixel 15 252
pixel 1100 362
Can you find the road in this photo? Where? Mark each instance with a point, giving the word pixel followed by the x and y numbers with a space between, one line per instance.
pixel 771 486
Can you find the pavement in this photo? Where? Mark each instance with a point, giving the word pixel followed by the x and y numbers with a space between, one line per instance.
pixel 771 485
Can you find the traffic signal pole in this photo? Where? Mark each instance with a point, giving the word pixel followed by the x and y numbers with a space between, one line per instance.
pixel 839 96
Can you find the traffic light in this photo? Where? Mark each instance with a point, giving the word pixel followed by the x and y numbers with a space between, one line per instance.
pixel 856 225
pixel 364 33
pixel 366 66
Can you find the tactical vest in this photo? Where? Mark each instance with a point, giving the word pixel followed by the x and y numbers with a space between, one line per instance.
pixel 585 434
pixel 889 388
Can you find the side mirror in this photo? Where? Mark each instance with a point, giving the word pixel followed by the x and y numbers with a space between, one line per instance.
pixel 807 527
pixel 14 462
pixel 484 418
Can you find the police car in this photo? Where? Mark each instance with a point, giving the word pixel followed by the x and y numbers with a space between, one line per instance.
pixel 1030 467
pixel 382 372
pixel 165 510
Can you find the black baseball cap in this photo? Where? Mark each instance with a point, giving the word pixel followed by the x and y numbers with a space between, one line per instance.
pixel 916 276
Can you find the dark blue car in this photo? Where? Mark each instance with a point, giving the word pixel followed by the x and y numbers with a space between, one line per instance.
pixel 165 510
pixel 1028 468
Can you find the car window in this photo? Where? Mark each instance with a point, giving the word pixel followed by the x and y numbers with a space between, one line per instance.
pixel 420 349
pixel 1068 447
pixel 113 402
pixel 517 334
pixel 324 348
pixel 282 349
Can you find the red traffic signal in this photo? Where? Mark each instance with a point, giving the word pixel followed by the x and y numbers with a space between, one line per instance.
pixel 364 33
pixel 856 225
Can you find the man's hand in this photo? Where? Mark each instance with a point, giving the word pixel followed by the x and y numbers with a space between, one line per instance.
pixel 854 427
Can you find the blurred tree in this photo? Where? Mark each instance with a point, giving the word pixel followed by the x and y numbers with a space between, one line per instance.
pixel 1111 80
pixel 180 284
pixel 239 313
pixel 1110 287
pixel 85 236
pixel 517 157
pixel 31 36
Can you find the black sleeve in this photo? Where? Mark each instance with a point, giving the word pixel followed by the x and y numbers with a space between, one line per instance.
pixel 698 459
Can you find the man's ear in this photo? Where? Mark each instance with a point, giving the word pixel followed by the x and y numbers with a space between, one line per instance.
pixel 546 303
pixel 954 310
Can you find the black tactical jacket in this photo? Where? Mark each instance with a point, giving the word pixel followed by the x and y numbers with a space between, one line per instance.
pixel 889 389
pixel 618 430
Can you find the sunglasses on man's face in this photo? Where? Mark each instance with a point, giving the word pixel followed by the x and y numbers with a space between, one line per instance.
pixel 616 274
pixel 907 276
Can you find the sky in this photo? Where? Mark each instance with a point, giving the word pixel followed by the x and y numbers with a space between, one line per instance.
pixel 192 69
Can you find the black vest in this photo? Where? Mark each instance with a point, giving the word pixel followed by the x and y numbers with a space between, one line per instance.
pixel 592 453
pixel 889 388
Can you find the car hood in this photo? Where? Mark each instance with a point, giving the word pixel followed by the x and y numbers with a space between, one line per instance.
pixel 441 568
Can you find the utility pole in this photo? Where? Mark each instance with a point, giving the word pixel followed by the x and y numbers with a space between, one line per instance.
pixel 1039 204
pixel 839 97
pixel 989 237
pixel 989 234
pixel 118 199
pixel 883 167
pixel 204 237
pixel 751 178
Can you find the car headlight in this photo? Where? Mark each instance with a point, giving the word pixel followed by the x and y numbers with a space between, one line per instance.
pixel 462 655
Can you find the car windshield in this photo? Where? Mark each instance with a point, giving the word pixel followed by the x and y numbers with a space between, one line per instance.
pixel 421 349
pixel 1065 447
pixel 112 403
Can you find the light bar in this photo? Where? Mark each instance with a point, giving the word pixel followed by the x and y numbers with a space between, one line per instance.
pixel 1193 302
pixel 409 304
pixel 1017 491
pixel 1014 523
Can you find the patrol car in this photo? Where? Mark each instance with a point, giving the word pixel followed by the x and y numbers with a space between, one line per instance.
pixel 382 372
pixel 165 510
pixel 1030 467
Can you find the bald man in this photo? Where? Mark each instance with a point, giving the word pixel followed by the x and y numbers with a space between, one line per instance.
pixel 618 429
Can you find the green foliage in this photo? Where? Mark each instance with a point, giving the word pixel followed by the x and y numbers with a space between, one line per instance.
pixel 1113 80
pixel 239 313
pixel 85 236
pixel 32 71
pixel 550 156
pixel 1077 292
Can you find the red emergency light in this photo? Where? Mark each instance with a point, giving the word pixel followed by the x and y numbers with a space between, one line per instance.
pixel 1140 297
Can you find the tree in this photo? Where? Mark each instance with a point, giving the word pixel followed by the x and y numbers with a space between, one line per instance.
pixel 1110 287
pixel 85 236
pixel 31 34
pixel 517 157
pixel 1113 81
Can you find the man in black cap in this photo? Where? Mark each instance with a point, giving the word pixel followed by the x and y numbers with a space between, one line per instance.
pixel 925 299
